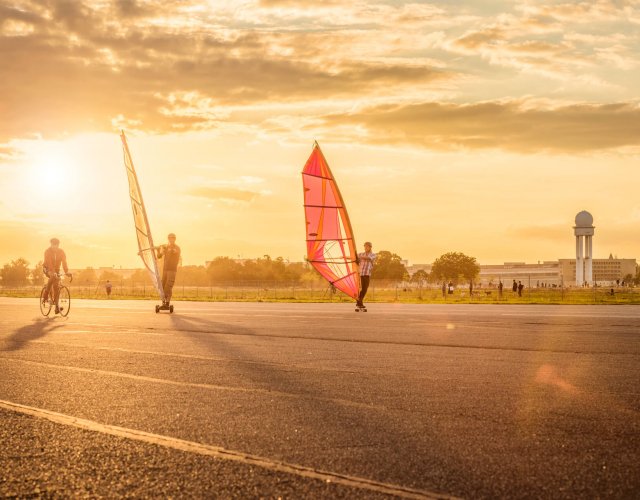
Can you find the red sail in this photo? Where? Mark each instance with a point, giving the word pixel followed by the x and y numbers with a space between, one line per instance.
pixel 331 247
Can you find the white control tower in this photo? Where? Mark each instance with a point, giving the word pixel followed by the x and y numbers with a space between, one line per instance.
pixel 584 230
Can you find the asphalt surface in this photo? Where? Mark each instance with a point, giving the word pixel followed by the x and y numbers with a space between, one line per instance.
pixel 245 400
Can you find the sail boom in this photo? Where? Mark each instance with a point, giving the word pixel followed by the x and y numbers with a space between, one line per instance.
pixel 319 176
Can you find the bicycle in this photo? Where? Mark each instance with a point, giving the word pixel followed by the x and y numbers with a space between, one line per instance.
pixel 64 297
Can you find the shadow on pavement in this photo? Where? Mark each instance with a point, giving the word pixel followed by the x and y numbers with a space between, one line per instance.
pixel 374 440
pixel 28 333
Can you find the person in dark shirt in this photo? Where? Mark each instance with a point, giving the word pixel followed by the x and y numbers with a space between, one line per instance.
pixel 171 255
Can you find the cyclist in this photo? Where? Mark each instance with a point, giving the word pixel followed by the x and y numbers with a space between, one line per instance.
pixel 54 257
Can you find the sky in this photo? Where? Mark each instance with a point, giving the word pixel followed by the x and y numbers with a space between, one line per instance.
pixel 478 127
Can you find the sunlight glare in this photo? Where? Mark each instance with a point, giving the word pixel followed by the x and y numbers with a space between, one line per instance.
pixel 51 174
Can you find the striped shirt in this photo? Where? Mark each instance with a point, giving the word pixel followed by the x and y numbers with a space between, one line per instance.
pixel 366 263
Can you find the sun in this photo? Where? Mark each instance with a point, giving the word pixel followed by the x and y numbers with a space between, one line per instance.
pixel 51 174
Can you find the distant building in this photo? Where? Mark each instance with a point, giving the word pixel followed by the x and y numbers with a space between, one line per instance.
pixel 547 272
pixel 559 272
pixel 604 270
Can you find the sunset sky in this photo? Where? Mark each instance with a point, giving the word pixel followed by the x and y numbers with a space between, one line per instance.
pixel 481 127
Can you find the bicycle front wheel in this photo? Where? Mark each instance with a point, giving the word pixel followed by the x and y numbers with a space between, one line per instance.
pixel 45 305
pixel 64 301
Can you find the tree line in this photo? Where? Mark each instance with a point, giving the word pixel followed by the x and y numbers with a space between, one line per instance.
pixel 221 269
pixel 452 266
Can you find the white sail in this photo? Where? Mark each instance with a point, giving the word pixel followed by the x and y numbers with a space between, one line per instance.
pixel 143 232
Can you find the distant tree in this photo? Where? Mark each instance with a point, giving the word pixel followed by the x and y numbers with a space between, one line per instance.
pixel 37 274
pixel 389 266
pixel 140 277
pixel 420 276
pixel 224 269
pixel 295 271
pixel 453 266
pixel 107 275
pixel 87 276
pixel 265 268
pixel 15 273
pixel 193 276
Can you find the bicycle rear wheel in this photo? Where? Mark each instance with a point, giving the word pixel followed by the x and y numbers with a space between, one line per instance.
pixel 64 301
pixel 45 306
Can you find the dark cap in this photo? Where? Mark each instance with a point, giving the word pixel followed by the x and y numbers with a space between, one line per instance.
pixel 54 241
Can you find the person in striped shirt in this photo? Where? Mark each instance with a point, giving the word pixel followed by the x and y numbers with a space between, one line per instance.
pixel 365 260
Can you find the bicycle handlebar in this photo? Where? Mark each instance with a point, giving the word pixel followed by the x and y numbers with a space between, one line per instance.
pixel 62 275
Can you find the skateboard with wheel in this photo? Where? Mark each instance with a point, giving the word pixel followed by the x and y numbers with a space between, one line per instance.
pixel 362 308
pixel 164 307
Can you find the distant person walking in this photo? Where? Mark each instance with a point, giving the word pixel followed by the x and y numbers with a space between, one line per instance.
pixel 450 288
pixel 171 255
pixel 471 287
pixel 514 287
pixel 365 261
pixel 520 287
pixel 444 289
pixel 108 288
pixel 500 286
pixel 54 258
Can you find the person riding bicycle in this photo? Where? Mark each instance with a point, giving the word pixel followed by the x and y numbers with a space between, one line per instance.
pixel 54 257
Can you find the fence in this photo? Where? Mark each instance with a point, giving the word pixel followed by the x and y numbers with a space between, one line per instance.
pixel 379 291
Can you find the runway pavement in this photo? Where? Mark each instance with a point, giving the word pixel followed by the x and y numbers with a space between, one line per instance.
pixel 243 400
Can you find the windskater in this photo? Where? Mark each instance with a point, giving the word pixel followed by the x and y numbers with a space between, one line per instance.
pixel 171 254
pixel 365 261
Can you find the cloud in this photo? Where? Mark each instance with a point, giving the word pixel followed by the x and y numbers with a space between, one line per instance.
pixel 473 40
pixel 556 41
pixel 164 66
pixel 81 69
pixel 583 12
pixel 224 194
pixel 298 3
pixel 512 126
pixel 7 153
pixel 240 190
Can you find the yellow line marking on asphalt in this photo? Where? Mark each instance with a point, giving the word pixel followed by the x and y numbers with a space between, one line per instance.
pixel 222 453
